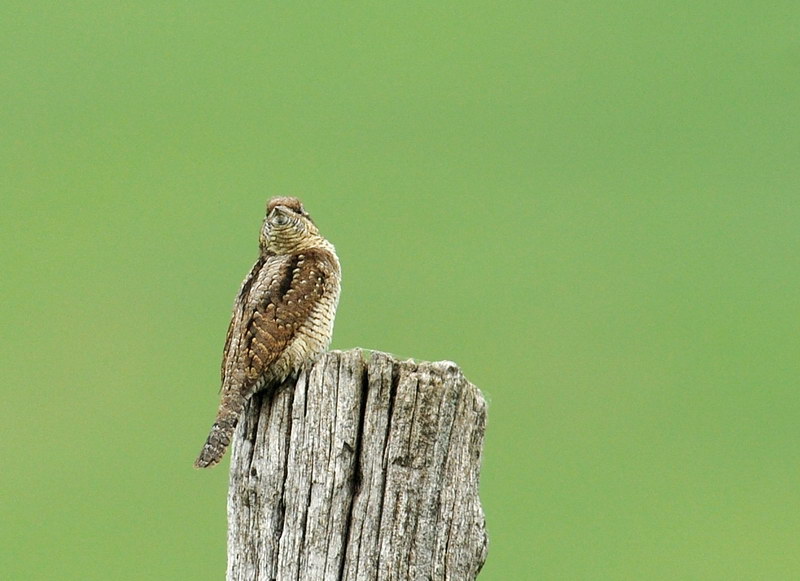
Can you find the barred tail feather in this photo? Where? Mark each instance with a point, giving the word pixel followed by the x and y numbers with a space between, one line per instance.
pixel 221 432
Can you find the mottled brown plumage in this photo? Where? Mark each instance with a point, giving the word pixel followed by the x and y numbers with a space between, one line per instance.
pixel 282 318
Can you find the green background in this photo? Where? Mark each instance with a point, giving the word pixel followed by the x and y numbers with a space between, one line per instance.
pixel 591 206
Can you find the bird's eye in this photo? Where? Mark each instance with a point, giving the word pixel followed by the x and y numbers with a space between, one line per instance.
pixel 280 219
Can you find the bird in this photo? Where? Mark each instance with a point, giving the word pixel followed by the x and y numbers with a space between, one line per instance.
pixel 282 317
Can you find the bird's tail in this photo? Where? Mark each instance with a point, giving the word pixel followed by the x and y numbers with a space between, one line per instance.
pixel 230 409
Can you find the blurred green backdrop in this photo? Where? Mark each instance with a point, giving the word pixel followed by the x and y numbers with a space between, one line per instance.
pixel 591 206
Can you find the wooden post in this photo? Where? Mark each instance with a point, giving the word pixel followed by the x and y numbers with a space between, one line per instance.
pixel 362 470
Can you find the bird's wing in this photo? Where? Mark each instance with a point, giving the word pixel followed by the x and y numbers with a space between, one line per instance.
pixel 238 311
pixel 225 351
pixel 278 305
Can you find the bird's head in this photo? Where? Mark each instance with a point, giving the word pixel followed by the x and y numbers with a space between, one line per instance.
pixel 287 227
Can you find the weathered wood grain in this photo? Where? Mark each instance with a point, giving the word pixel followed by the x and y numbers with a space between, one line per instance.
pixel 366 469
